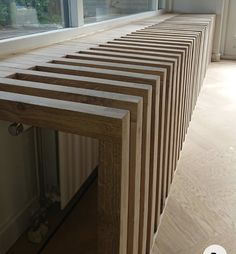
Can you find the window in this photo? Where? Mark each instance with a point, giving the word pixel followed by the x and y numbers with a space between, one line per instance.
pixel 23 17
pixel 98 10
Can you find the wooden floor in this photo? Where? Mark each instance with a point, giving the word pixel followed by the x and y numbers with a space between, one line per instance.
pixel 201 209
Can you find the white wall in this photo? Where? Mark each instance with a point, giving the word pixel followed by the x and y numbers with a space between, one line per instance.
pixel 18 186
pixel 230 42
pixel 206 6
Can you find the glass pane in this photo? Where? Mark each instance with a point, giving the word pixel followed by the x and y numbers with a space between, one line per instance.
pixel 99 10
pixel 161 4
pixel 22 17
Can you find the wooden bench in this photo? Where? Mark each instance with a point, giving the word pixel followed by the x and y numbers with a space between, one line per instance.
pixel 136 95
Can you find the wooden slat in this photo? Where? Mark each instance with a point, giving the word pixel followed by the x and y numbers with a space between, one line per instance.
pixel 131 103
pixel 168 160
pixel 160 124
pixel 130 90
pixel 128 76
pixel 154 56
pixel 111 127
pixel 186 105
pixel 151 77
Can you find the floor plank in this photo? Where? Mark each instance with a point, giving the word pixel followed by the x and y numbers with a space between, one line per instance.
pixel 201 208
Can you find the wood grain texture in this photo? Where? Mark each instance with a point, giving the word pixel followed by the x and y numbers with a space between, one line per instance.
pixel 67 116
pixel 148 73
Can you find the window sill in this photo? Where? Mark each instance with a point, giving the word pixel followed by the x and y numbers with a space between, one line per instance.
pixel 25 43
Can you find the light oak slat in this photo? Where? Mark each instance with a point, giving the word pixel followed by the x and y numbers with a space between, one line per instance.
pixel 111 127
pixel 15 65
pixel 195 69
pixel 174 40
pixel 133 48
pixel 129 90
pixel 194 48
pixel 170 33
pixel 120 60
pixel 28 56
pixel 160 31
pixel 118 75
pixel 186 120
pixel 206 40
pixel 187 27
pixel 185 33
pixel 169 40
pixel 194 91
pixel 157 45
pixel 5 73
pixel 125 55
pixel 131 103
pixel 81 81
pixel 171 159
pixel 191 20
pixel 130 46
pixel 131 68
pixel 146 39
pixel 154 41
pixel 210 20
pixel 209 23
pixel 169 132
pixel 173 29
pixel 100 62
pixel 42 55
pixel 58 50
pixel 150 37
pixel 155 48
pixel 88 52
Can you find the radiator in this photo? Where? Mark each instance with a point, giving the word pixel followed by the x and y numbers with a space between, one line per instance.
pixel 78 157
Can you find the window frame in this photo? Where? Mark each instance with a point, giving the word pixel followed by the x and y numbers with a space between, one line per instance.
pixel 77 29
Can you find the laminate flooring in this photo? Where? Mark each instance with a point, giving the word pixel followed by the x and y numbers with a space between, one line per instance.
pixel 201 208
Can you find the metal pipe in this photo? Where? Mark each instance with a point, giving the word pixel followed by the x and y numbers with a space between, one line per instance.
pixel 15 129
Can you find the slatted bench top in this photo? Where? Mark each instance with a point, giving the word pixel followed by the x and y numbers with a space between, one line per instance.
pixel 134 89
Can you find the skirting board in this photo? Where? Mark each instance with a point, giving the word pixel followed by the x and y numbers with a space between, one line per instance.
pixel 228 57
pixel 17 225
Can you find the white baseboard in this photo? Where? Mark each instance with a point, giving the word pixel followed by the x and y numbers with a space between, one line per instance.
pixel 228 57
pixel 13 229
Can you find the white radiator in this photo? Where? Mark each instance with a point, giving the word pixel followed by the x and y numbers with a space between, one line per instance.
pixel 78 157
